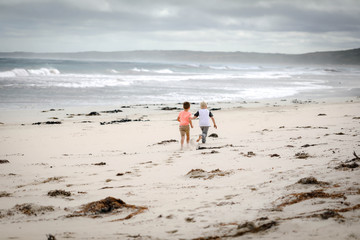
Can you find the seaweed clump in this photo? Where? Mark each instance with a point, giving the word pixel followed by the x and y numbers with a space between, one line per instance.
pixel 349 164
pixel 299 197
pixel 55 193
pixel 109 205
pixel 32 209
pixel 200 173
pixel 311 180
pixel 242 229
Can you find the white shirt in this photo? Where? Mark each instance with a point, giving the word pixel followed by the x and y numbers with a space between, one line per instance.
pixel 204 117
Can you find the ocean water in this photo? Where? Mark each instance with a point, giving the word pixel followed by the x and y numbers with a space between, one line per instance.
pixel 36 83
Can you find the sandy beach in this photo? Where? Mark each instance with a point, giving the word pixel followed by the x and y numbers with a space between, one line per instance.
pixel 279 170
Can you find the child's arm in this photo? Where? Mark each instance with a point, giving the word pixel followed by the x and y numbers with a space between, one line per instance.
pixel 195 115
pixel 190 122
pixel 213 120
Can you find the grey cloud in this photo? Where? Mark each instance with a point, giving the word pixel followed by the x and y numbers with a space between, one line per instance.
pixel 180 22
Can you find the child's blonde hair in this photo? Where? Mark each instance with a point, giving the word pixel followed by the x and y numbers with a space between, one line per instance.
pixel 203 105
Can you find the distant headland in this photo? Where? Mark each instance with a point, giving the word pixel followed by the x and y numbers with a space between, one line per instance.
pixel 347 57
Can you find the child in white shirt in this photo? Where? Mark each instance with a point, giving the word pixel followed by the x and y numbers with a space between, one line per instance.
pixel 204 116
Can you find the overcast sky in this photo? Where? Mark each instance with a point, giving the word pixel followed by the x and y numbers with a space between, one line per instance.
pixel 277 26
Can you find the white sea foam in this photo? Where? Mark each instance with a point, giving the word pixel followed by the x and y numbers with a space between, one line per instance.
pixel 140 70
pixel 20 72
pixel 261 93
pixel 144 70
pixel 266 75
pixel 235 67
pixel 113 71
pixel 219 67
pixel 164 71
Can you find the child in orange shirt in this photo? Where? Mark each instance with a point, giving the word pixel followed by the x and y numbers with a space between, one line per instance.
pixel 185 119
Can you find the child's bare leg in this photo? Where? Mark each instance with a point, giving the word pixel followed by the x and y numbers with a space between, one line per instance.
pixel 182 141
pixel 187 137
pixel 199 138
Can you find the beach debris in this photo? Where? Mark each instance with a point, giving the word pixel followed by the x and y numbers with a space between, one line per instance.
pixel 308 127
pixel 123 120
pixel 47 123
pixel 329 214
pixel 304 127
pixel 312 145
pixel 170 108
pixel 52 110
pixel 4 161
pixel 325 213
pixel 215 109
pixel 296 101
pixel 299 197
pixel 189 219
pixel 250 227
pixel 50 237
pixel 52 179
pixel 99 164
pixel 30 209
pixel 297 138
pixel 93 114
pixel 148 162
pixel 339 133
pixel 5 194
pixel 356 118
pixel 112 111
pixel 248 154
pixel 109 205
pixel 116 121
pixel 167 141
pixel 203 148
pixel 213 135
pixel 212 152
pixel 200 173
pixel 321 114
pixel 349 164
pixel 55 193
pixel 274 155
pixel 289 146
pixel 242 229
pixel 302 155
pixel 122 174
pixel 125 106
pixel 311 180
pixel 356 157
pixel 308 145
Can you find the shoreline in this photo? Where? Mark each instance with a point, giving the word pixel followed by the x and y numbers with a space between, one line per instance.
pixel 245 183
pixel 11 115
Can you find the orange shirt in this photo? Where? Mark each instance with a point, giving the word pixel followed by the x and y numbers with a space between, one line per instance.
pixel 184 118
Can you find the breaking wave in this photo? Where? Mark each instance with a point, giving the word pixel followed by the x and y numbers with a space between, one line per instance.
pixel 21 72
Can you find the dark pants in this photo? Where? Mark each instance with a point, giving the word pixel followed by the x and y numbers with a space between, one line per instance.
pixel 204 133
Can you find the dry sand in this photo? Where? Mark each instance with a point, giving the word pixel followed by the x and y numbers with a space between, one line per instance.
pixel 56 178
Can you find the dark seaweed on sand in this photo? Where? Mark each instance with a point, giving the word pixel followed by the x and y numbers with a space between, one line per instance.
pixel 109 205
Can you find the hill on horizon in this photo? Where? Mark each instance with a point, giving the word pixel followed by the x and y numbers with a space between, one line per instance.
pixel 351 56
